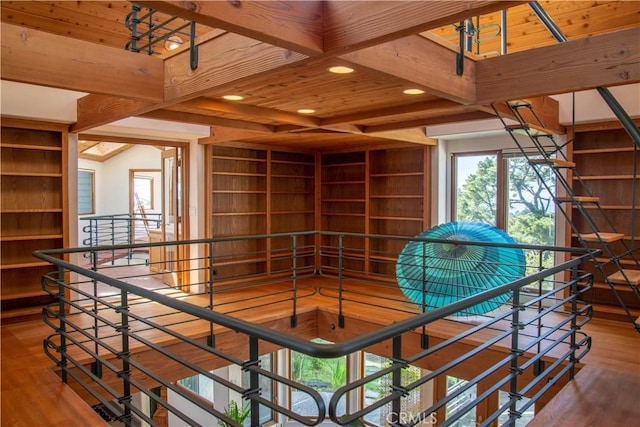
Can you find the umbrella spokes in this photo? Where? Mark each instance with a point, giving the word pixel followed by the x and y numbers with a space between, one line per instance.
pixel 436 273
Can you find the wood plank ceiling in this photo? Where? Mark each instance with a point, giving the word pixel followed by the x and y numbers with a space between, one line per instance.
pixel 276 55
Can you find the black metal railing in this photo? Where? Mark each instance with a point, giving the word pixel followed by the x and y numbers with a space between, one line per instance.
pixel 118 229
pixel 137 337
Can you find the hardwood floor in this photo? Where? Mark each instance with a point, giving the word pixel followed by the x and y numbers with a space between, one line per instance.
pixel 33 395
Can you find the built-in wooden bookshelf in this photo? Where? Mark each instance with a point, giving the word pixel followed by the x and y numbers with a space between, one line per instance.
pixel 365 191
pixel 605 163
pixel 374 191
pixel 33 211
pixel 259 191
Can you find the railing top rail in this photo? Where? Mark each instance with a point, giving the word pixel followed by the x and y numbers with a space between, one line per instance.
pixel 297 344
pixel 306 233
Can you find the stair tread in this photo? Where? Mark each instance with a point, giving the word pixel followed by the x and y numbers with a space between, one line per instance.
pixel 584 199
pixel 556 163
pixel 602 237
pixel 619 278
pixel 518 103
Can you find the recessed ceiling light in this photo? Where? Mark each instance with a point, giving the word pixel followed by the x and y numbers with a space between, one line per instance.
pixel 413 91
pixel 306 111
pixel 233 97
pixel 172 43
pixel 341 69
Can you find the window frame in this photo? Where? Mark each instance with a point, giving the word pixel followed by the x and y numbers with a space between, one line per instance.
pixel 92 192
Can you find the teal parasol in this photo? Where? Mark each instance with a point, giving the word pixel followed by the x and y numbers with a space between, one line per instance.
pixel 438 273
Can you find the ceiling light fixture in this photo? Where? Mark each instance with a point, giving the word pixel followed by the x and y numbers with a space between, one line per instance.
pixel 172 43
pixel 414 91
pixel 233 97
pixel 306 111
pixel 341 69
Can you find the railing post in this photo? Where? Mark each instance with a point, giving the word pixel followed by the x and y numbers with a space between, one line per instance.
pixel 211 339
pixel 424 339
pixel 63 327
pixel 574 315
pixel 515 370
pixel 113 240
pixel 396 379
pixel 96 366
pixel 254 381
pixel 340 284
pixel 294 271
pixel 125 373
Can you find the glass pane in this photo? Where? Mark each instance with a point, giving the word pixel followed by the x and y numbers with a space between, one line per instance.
pixel 460 401
pixel 531 210
pixel 323 375
pixel 526 417
pixel 476 178
pixel 410 406
pixel 266 389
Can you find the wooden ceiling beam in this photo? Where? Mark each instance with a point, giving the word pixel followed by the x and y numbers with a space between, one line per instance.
pixel 175 116
pixel 353 25
pixel 96 110
pixel 421 62
pixel 415 135
pixel 250 110
pixel 221 134
pixel 226 59
pixel 295 25
pixel 35 57
pixel 435 106
pixel 602 60
pixel 409 124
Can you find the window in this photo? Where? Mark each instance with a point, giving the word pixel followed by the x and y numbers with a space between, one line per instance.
pixel 143 191
pixel 475 197
pixel 410 406
pixel 86 192
pixel 266 389
pixel 460 401
pixel 323 375
pixel 524 419
pixel 503 189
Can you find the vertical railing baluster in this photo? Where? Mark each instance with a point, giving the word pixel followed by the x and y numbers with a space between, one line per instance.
pixel 515 370
pixel 424 339
pixel 125 373
pixel 340 284
pixel 396 379
pixel 211 339
pixel 63 326
pixel 254 380
pixel 96 366
pixel 574 322
pixel 113 240
pixel 294 272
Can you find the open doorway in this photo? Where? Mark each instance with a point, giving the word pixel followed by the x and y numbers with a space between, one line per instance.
pixel 154 197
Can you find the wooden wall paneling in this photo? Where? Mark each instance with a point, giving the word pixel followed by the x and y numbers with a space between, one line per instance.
pixel 34 210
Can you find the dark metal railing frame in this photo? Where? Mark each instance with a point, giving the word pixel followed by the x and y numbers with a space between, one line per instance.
pixel 320 350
